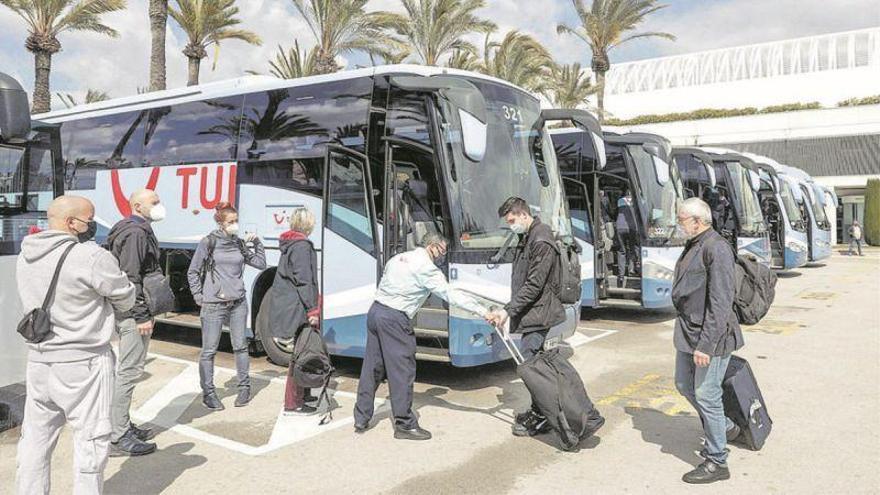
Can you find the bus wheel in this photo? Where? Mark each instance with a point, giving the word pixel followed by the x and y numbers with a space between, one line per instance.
pixel 276 350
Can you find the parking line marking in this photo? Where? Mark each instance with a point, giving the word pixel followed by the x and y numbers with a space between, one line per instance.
pixel 166 407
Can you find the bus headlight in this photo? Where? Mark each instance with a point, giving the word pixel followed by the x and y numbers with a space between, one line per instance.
pixel 655 271
pixel 795 246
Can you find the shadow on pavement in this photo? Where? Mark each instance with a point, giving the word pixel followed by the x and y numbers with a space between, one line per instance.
pixel 789 274
pixel 628 314
pixel 676 435
pixel 155 472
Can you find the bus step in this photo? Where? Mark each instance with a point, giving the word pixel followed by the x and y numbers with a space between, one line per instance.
pixel 431 333
pixel 432 354
pixel 190 320
pixel 621 303
pixel 630 294
pixel 432 318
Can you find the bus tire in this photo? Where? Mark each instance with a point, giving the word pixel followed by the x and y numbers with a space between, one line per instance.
pixel 274 352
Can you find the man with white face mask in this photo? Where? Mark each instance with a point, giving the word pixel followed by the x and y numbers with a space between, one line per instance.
pixel 134 244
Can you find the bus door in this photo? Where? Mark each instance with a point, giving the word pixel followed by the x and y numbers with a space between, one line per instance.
pixel 579 208
pixel 413 209
pixel 351 250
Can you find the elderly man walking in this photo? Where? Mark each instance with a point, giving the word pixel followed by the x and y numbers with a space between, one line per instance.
pixel 706 332
pixel 70 373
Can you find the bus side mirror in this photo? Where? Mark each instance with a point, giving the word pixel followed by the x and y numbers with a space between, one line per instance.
pixel 467 101
pixel 15 116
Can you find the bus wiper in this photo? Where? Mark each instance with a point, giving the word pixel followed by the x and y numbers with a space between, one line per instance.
pixel 497 257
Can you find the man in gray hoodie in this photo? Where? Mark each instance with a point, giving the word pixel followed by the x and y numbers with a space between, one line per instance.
pixel 70 374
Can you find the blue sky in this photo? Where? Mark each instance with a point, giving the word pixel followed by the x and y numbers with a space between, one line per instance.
pixel 119 66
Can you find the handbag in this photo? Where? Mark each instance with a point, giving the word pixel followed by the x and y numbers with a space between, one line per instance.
pixel 158 294
pixel 36 326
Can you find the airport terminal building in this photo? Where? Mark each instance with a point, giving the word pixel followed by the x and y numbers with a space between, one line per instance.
pixel 838 145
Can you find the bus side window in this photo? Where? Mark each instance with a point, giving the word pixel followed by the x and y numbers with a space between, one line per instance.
pixel 348 210
pixel 99 143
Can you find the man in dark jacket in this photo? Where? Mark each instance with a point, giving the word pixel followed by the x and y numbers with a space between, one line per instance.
pixel 534 304
pixel 134 244
pixel 706 332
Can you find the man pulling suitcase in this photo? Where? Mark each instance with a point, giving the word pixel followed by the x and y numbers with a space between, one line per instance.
pixel 533 309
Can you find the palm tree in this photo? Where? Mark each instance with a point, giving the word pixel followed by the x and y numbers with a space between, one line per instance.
pixel 294 63
pixel 206 23
pixel 570 86
pixel 603 26
pixel 92 96
pixel 46 19
pixel 464 60
pixel 390 58
pixel 519 59
pixel 434 28
pixel 341 26
pixel 158 13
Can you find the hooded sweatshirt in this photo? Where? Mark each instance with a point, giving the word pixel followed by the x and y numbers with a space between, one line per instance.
pixel 90 288
pixel 224 282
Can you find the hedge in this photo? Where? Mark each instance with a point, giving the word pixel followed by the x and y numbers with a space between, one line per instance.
pixel 854 102
pixel 872 212
pixel 712 113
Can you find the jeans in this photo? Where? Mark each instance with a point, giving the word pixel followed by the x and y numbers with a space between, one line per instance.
pixel 858 243
pixel 702 388
pixel 214 315
pixel 133 349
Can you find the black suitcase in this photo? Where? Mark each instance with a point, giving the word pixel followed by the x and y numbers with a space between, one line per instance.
pixel 744 404
pixel 559 394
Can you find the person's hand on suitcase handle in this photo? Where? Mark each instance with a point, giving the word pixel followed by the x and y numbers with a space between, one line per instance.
pixel 498 318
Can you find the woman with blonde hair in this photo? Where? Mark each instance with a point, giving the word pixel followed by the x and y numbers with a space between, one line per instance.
pixel 294 300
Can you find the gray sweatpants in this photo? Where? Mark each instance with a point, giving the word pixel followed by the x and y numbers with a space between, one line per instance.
pixel 78 393
pixel 133 349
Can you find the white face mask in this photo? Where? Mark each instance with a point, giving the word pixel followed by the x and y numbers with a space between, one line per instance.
pixel 232 229
pixel 518 228
pixel 157 213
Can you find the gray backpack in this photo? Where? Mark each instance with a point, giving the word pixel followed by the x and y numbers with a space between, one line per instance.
pixel 569 268
pixel 311 365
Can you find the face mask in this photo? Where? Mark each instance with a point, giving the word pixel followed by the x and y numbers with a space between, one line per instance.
pixel 157 213
pixel 232 229
pixel 518 228
pixel 89 234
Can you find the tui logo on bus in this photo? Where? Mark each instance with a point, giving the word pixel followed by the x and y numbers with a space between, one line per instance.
pixel 205 175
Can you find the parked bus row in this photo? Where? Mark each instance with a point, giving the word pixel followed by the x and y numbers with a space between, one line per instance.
pixel 386 155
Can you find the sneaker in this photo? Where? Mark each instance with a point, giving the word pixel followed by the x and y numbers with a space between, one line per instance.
pixel 244 396
pixel 303 410
pixel 309 398
pixel 416 433
pixel 707 472
pixel 130 446
pixel 529 424
pixel 211 401
pixel 142 434
pixel 733 433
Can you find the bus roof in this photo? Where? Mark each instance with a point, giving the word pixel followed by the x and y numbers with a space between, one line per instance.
pixel 244 85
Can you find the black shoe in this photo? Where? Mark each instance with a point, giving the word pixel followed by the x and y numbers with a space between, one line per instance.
pixel 142 434
pixel 244 396
pixel 361 427
pixel 733 433
pixel 302 410
pixel 529 424
pixel 130 445
pixel 309 398
pixel 416 433
pixel 211 401
pixel 707 472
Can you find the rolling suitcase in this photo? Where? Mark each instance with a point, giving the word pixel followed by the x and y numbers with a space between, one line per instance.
pixel 558 392
pixel 744 405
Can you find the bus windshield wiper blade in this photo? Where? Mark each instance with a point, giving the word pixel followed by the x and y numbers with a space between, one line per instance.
pixel 498 256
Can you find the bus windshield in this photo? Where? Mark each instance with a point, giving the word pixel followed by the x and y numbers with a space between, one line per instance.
pixel 791 208
pixel 661 191
pixel 750 217
pixel 11 183
pixel 519 161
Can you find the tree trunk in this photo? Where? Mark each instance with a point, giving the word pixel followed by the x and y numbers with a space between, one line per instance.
pixel 158 21
pixel 42 96
pixel 194 64
pixel 325 63
pixel 600 95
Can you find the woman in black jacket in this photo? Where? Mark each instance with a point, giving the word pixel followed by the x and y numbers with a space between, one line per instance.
pixel 294 300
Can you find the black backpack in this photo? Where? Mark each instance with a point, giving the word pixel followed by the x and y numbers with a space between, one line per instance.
pixel 755 286
pixel 311 364
pixel 569 268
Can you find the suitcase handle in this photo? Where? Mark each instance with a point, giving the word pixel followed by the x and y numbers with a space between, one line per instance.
pixel 508 343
